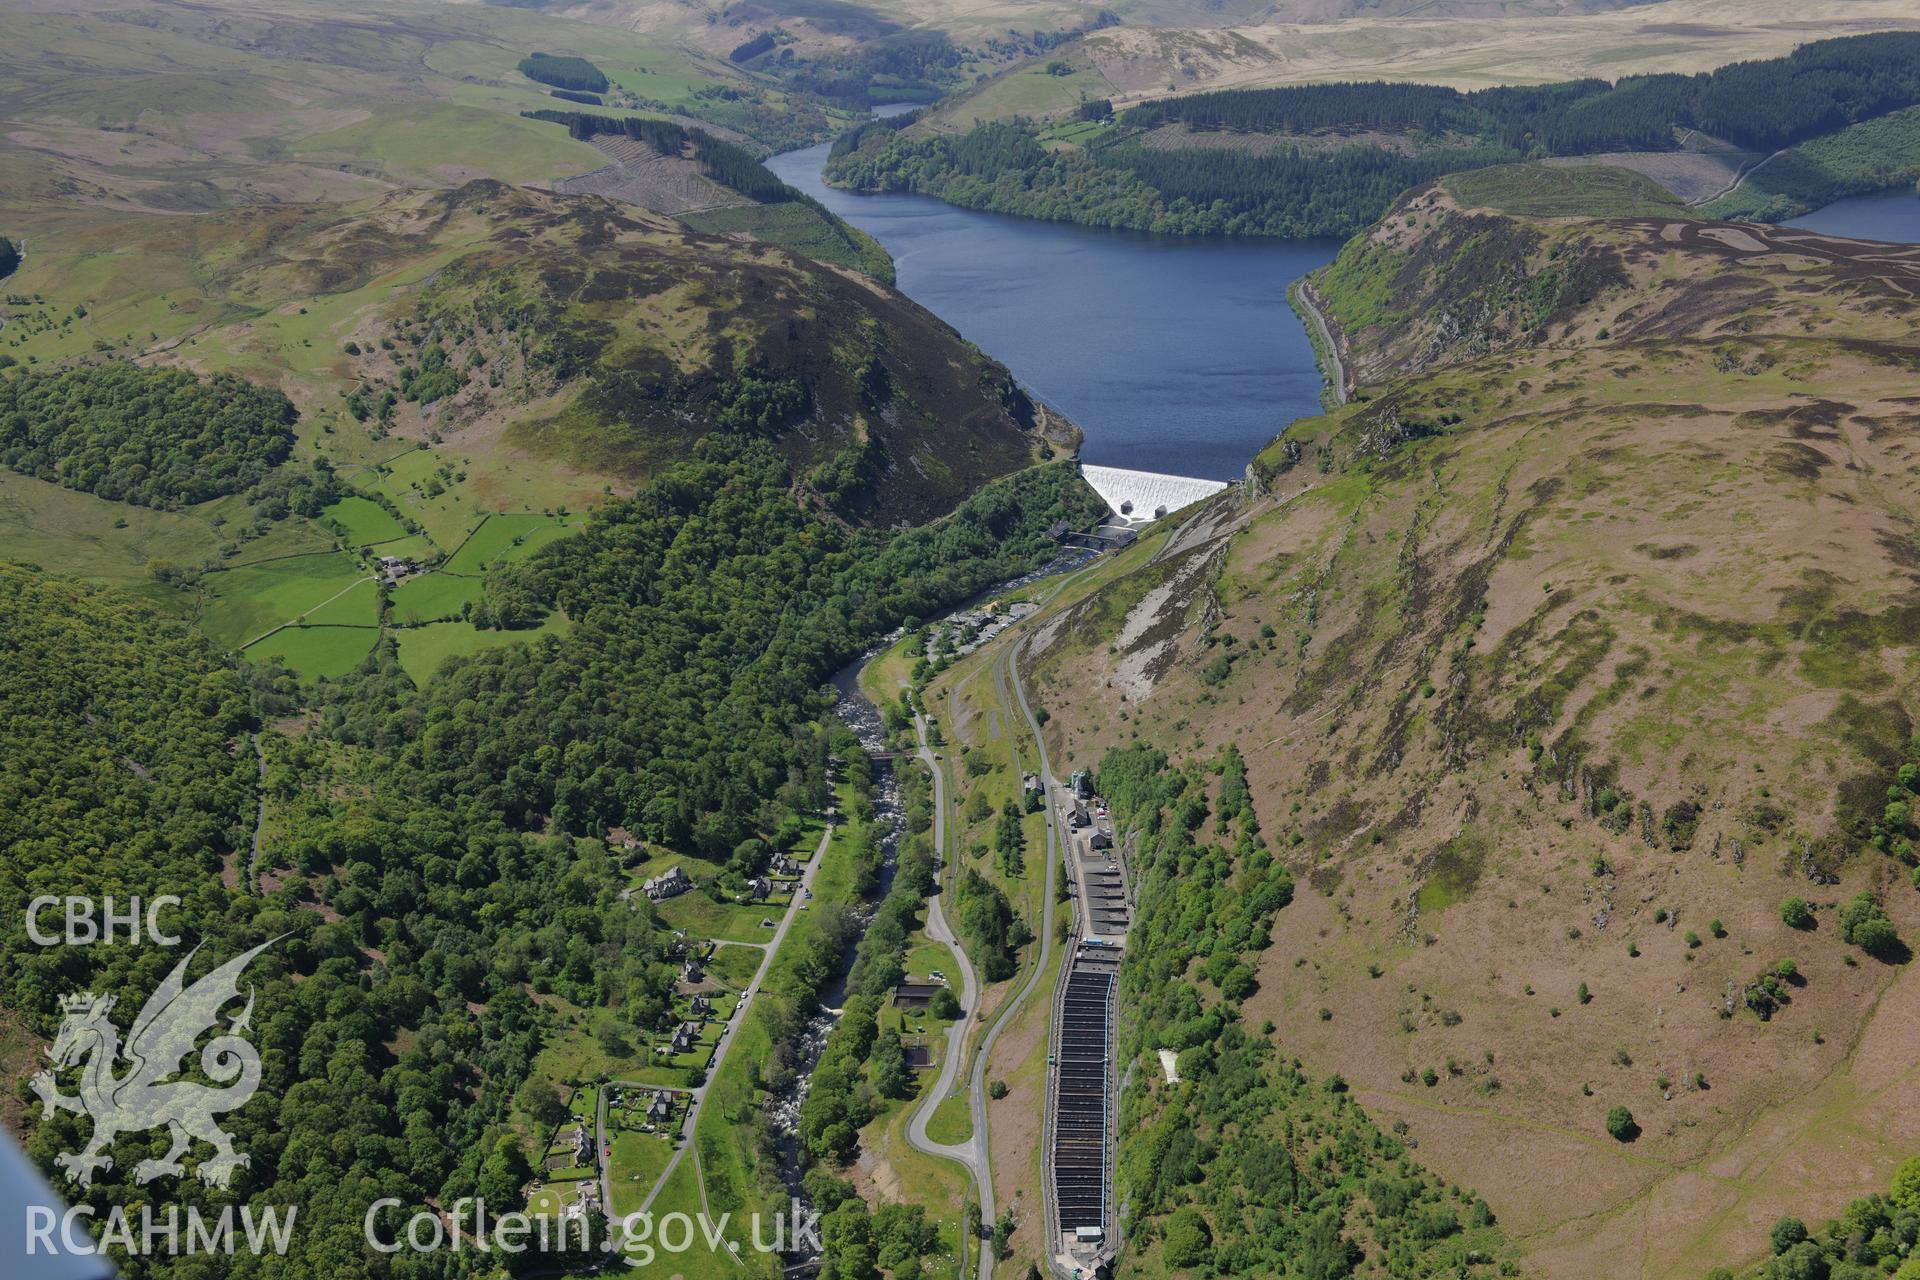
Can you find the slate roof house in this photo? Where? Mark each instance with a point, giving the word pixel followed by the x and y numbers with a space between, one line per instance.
pixel 670 883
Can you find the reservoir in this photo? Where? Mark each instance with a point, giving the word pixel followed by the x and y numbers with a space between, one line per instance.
pixel 1173 355
pixel 1893 217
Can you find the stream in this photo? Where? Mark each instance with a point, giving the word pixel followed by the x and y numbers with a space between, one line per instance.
pixel 859 714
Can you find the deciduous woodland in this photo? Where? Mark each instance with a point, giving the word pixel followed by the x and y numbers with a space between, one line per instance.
pixel 153 437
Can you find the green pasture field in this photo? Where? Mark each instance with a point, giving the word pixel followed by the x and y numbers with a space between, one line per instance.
pixel 801 229
pixel 682 1195
pixel 414 145
pixel 63 529
pixel 424 649
pixel 433 597
pixel 248 601
pixel 297 536
pixel 323 652
pixel 511 537
pixel 358 607
pixel 364 522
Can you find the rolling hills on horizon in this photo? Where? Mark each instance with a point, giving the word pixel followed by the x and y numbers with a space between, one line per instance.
pixel 637 694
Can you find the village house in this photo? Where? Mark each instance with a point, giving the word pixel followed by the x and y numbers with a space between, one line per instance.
pixel 784 865
pixel 670 883
pixel 757 890
pixel 702 1006
pixel 684 1036
pixel 660 1110
pixel 692 971
pixel 622 839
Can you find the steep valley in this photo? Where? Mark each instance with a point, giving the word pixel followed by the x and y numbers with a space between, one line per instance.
pixel 442 469
pixel 1557 660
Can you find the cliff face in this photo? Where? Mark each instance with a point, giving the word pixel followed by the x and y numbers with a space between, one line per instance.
pixel 1559 658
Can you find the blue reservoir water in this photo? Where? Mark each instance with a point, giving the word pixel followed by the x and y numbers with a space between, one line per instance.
pixel 1894 217
pixel 1172 354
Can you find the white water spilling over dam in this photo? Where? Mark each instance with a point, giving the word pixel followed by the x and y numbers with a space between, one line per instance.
pixel 1141 497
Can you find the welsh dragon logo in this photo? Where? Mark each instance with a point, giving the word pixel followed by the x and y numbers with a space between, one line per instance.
pixel 142 1097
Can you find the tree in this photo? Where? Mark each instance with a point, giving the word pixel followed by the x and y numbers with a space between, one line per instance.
pixel 1010 840
pixel 889 1061
pixel 1620 1124
pixel 1188 1238
pixel 1876 936
pixel 1864 923
pixel 846 1241
pixel 1804 1261
pixel 1787 1233
pixel 1795 913
pixel 612 1036
pixel 1905 1193
pixel 541 1100
pixel 946 1005
pixel 503 1174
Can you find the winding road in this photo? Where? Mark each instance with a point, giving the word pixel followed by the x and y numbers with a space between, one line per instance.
pixel 1338 383
pixel 976 1153
pixel 1739 177
pixel 972 1153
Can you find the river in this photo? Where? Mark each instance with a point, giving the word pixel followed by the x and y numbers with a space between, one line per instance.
pixel 1174 355
pixel 859 714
